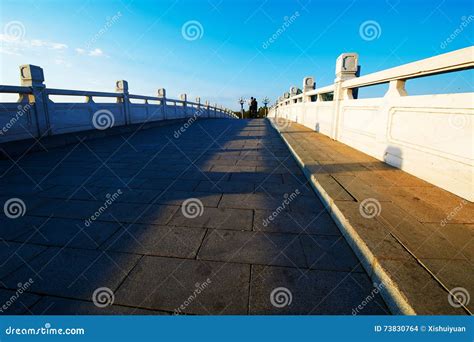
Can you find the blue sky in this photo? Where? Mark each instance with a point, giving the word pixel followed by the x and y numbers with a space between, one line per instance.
pixel 90 44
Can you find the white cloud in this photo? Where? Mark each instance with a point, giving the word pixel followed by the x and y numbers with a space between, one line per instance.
pixel 80 51
pixel 96 53
pixel 12 43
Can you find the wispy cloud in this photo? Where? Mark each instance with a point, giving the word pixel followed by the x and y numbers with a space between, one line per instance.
pixel 96 53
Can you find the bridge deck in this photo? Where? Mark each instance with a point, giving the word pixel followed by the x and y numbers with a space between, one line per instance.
pixel 141 243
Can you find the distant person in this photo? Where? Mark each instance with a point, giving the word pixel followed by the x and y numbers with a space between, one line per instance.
pixel 255 107
pixel 251 107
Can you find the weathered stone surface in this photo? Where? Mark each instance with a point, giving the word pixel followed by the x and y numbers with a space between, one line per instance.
pixel 312 292
pixel 238 219
pixel 330 253
pixel 76 273
pixel 253 248
pixel 14 255
pixel 156 240
pixel 61 306
pixel 170 284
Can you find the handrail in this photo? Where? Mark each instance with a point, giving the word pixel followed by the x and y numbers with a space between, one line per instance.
pixel 15 89
pixel 452 61
pixel 52 91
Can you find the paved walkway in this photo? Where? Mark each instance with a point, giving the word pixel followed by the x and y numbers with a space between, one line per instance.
pixel 217 219
pixel 421 236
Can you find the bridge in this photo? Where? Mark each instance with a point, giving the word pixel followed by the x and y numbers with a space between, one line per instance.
pixel 153 205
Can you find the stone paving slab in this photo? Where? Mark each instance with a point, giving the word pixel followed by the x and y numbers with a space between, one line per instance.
pixel 311 292
pixel 16 304
pixel 254 248
pixel 73 273
pixel 238 219
pixel 330 253
pixel 168 241
pixel 14 255
pixel 403 229
pixel 295 222
pixel 61 306
pixel 167 284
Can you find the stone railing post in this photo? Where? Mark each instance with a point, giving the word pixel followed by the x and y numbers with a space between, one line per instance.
pixel 346 68
pixel 198 101
pixel 32 76
pixel 308 85
pixel 122 87
pixel 162 95
pixel 208 110
pixel 184 98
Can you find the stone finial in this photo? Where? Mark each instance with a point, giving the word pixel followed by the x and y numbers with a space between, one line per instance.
pixel 31 75
pixel 286 95
pixel 346 66
pixel 198 99
pixel 161 92
pixel 308 84
pixel 121 86
pixel 183 97
pixel 207 103
pixel 295 91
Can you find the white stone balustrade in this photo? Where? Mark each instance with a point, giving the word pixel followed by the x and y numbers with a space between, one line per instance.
pixel 35 115
pixel 429 136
